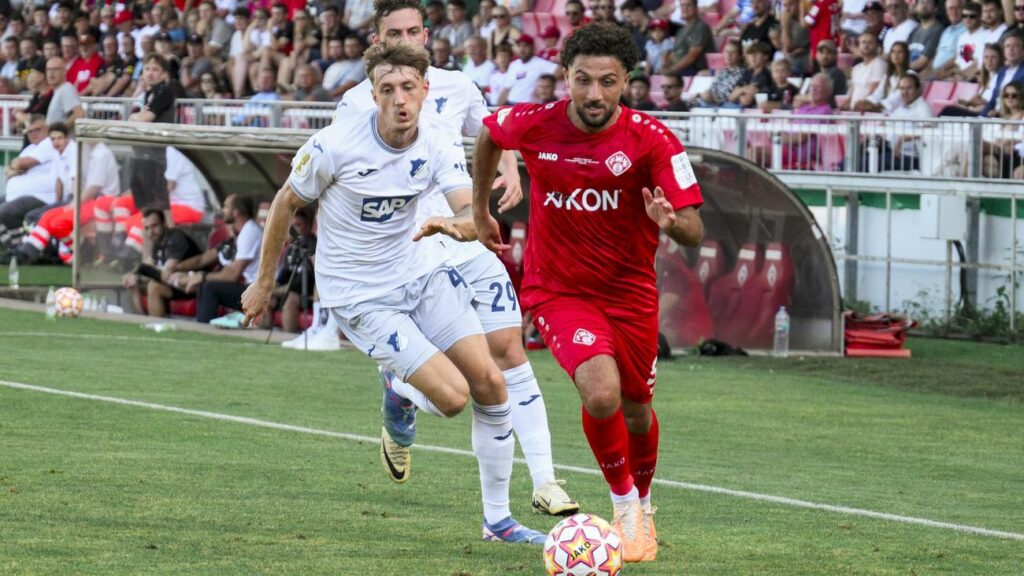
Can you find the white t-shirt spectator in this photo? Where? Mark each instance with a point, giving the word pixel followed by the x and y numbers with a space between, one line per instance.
pixel 65 167
pixel 9 70
pixel 863 76
pixel 344 71
pixel 917 110
pixel 850 24
pixel 247 247
pixel 186 188
pixel 522 78
pixel 37 181
pixel 479 74
pixel 986 37
pixel 970 48
pixel 899 33
pixel 495 85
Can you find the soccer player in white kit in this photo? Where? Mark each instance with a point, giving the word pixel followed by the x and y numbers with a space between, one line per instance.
pixel 456 101
pixel 418 323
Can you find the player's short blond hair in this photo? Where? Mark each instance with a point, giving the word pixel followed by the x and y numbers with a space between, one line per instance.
pixel 395 56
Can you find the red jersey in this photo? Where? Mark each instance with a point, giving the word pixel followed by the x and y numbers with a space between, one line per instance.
pixel 82 71
pixel 823 20
pixel 590 235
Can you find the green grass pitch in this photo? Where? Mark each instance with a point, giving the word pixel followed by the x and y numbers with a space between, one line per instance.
pixel 96 487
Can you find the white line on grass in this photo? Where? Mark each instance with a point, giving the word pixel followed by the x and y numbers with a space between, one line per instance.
pixel 444 450
pixel 121 337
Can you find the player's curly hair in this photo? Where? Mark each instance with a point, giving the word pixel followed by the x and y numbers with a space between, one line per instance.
pixel 601 40
pixel 396 55
pixel 384 8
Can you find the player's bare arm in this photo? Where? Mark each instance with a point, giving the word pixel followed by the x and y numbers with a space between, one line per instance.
pixel 683 225
pixel 485 161
pixel 509 179
pixel 275 231
pixel 459 226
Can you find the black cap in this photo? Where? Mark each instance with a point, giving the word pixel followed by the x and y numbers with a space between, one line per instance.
pixel 163 36
pixel 195 39
pixel 39 65
pixel 874 5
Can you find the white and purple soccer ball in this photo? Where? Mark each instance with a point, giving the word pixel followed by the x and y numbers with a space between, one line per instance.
pixel 583 545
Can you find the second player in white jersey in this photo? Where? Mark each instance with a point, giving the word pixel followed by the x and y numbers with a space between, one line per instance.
pixel 368 196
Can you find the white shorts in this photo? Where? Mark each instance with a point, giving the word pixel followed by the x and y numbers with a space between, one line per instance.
pixel 496 302
pixel 401 330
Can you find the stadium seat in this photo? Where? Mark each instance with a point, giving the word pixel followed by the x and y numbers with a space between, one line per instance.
pixel 712 19
pixel 688 321
pixel 964 91
pixel 939 90
pixel 846 62
pixel 728 292
pixel 841 100
pixel 750 321
pixel 710 264
pixel 530 24
pixel 544 5
pixel 726 5
pixel 831 152
pixel 305 319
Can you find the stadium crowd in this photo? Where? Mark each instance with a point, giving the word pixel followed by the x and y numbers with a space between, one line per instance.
pixel 900 59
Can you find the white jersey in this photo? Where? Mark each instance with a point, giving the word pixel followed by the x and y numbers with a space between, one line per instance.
pixel 65 168
pixel 368 196
pixel 102 171
pixel 454 100
pixel 186 187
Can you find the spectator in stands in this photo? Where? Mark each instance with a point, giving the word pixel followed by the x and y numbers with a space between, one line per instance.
pixel 243 39
pixel 164 46
pixel 970 46
pixel 757 29
pixel 500 77
pixel 825 59
pixel 9 71
pixel 603 12
pixel 1003 156
pixel 169 247
pixel 436 18
pixel 757 80
pixel 672 89
pixel 158 103
pixel 69 51
pixel 576 15
pixel 98 85
pixel 504 32
pixel 29 60
pixel 41 27
pixel 726 80
pixel 1011 71
pixel 902 24
pixel 992 23
pixel 239 262
pixel 359 17
pixel 476 64
pixel 866 76
pixel 800 149
pixel 524 72
pixel 902 152
pixel 30 181
pixel 886 96
pixel 545 91
pixel 820 20
pixel 39 102
pixel 120 70
pixel 516 9
pixel 457 29
pixel 874 19
pixel 1017 28
pixel 638 94
pixel 657 45
pixel 550 37
pixel 51 49
pixel 795 39
pixel 992 63
pixel 740 14
pixel 194 65
pixel 331 26
pixel 257 46
pixel 210 87
pixel 693 43
pixel 441 54
pixel 347 71
pixel 924 40
pixel 65 105
pixel 638 23
pixel 483 20
pixel 211 26
pixel 307 89
pixel 266 91
pixel 781 93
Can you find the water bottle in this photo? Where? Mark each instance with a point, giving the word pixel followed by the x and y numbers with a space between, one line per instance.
pixel 13 275
pixel 51 304
pixel 780 349
pixel 873 158
pixel 776 152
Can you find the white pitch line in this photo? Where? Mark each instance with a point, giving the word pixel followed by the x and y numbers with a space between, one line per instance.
pixel 120 337
pixel 455 451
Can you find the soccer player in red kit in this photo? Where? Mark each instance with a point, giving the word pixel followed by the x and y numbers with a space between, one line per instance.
pixel 604 180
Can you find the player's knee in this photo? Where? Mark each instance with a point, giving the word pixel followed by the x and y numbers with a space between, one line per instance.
pixel 601 402
pixel 507 348
pixel 453 402
pixel 488 387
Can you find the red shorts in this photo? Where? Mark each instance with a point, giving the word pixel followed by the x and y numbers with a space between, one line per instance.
pixel 576 330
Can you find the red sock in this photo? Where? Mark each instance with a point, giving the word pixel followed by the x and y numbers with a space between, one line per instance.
pixel 643 456
pixel 609 442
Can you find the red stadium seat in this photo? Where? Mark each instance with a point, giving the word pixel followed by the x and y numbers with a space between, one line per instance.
pixel 716 61
pixel 726 5
pixel 544 5
pixel 831 152
pixel 684 319
pixel 964 91
pixel 939 90
pixel 305 319
pixel 751 319
pixel 846 62
pixel 712 19
pixel 710 264
pixel 530 24
pixel 726 294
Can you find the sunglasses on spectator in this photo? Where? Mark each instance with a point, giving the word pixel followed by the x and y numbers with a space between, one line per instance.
pixel 1018 8
pixel 573 13
pixel 969 15
pixel 501 15
pixel 1011 95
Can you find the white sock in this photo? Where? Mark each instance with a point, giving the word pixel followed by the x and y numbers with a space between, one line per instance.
pixel 494 448
pixel 530 422
pixel 634 494
pixel 646 500
pixel 315 322
pixel 410 392
pixel 330 324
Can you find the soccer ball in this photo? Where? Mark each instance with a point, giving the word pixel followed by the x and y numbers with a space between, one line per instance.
pixel 583 545
pixel 67 302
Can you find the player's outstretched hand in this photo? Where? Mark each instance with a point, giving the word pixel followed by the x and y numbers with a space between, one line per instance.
pixel 437 225
pixel 489 234
pixel 513 192
pixel 659 208
pixel 254 303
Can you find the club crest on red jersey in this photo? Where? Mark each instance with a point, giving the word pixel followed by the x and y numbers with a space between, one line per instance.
pixel 583 336
pixel 618 163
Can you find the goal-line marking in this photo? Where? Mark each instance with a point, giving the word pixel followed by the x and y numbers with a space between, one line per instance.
pixel 445 450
